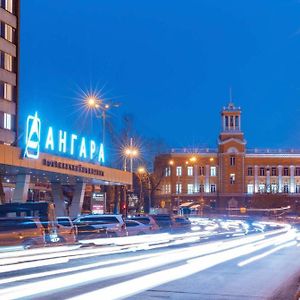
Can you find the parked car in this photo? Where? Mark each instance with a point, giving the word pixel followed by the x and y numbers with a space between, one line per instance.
pixel 21 231
pixel 113 224
pixel 164 221
pixel 67 231
pixel 137 228
pixel 181 224
pixel 147 220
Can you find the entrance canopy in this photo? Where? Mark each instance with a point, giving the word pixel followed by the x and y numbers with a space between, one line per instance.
pixel 50 168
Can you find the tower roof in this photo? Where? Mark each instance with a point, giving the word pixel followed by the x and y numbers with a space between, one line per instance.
pixel 231 107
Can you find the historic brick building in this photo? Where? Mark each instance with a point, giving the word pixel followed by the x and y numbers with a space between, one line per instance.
pixel 229 176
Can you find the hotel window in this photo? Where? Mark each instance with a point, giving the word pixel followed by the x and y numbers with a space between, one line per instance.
pixel 178 188
pixel 7 121
pixel 285 171
pixel 250 189
pixel 232 178
pixel 286 188
pixel 232 160
pixel 297 188
pixel 190 188
pixel 213 171
pixel 213 188
pixel 274 171
pixel 168 171
pixel 297 172
pixel 9 33
pixel 178 171
pixel 261 171
pixel 250 171
pixel 7 5
pixel 8 93
pixel 8 62
pixel 190 171
pixel 262 188
pixel 201 171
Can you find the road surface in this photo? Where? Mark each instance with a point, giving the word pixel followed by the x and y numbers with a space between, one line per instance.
pixel 258 266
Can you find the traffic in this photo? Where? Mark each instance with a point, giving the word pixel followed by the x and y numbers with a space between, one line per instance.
pixel 31 225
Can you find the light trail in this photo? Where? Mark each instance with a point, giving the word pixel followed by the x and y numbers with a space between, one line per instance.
pixel 81 278
pixel 265 254
pixel 138 285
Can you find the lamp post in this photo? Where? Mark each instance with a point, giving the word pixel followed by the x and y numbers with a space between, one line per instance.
pixel 94 103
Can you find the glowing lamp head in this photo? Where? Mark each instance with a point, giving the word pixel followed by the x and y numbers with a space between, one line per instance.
pixel 91 101
pixel 134 152
pixel 193 159
pixel 127 152
pixel 141 170
pixel 171 162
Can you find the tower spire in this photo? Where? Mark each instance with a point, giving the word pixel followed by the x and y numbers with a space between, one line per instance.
pixel 230 98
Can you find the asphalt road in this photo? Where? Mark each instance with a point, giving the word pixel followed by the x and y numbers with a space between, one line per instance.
pixel 260 266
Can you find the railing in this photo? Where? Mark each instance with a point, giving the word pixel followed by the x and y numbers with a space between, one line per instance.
pixel 188 150
pixel 194 150
pixel 272 151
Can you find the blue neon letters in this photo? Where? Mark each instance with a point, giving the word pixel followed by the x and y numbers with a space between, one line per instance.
pixel 69 144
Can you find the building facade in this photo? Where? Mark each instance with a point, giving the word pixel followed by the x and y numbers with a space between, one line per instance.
pixel 9 62
pixel 229 176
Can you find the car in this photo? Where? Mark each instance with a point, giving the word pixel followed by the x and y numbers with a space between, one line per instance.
pixel 67 231
pixel 147 220
pixel 21 231
pixel 113 224
pixel 181 224
pixel 137 228
pixel 164 221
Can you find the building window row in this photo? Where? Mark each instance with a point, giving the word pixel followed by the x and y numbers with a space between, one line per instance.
pixel 9 5
pixel 271 188
pixel 273 171
pixel 7 32
pixel 190 171
pixel 191 188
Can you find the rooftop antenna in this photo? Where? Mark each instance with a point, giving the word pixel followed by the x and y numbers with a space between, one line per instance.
pixel 230 98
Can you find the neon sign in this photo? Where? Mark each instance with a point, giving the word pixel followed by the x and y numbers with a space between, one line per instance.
pixel 59 141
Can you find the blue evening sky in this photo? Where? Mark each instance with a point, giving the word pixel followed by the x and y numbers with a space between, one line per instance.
pixel 169 62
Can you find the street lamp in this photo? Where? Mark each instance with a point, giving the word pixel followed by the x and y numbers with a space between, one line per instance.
pixel 94 103
pixel 130 152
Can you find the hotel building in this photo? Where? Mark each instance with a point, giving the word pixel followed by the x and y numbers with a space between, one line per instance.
pixel 229 176
pixel 38 163
pixel 9 57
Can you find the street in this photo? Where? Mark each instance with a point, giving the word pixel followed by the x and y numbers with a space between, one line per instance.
pixel 257 266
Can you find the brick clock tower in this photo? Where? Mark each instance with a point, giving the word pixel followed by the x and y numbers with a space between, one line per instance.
pixel 231 157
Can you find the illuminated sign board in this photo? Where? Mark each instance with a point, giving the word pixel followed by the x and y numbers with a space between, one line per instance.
pixel 59 141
